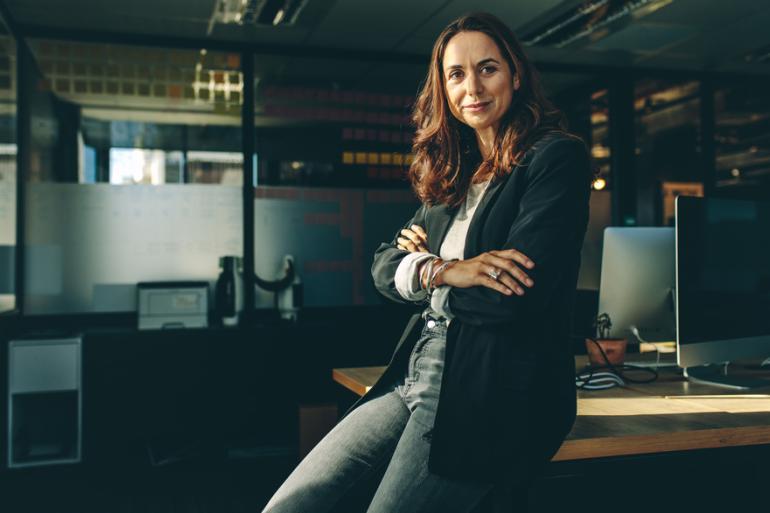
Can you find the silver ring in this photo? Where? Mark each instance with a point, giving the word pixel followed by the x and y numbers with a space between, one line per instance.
pixel 494 273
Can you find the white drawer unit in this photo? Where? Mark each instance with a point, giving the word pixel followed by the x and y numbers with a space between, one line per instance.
pixel 44 401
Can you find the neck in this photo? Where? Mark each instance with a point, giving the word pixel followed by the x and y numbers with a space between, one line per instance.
pixel 485 138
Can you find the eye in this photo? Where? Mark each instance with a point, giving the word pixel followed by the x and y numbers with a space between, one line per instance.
pixel 455 74
pixel 488 69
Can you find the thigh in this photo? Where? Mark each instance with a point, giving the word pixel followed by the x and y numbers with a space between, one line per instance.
pixel 353 454
pixel 407 486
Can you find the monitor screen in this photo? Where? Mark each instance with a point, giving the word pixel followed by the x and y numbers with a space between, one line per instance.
pixel 723 280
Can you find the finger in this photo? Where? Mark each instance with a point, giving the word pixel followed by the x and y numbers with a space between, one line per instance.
pixel 516 255
pixel 510 268
pixel 399 246
pixel 419 244
pixel 408 244
pixel 488 282
pixel 420 232
pixel 416 239
pixel 409 234
pixel 502 276
pixel 507 280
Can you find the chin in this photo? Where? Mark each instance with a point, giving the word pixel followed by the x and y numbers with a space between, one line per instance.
pixel 477 125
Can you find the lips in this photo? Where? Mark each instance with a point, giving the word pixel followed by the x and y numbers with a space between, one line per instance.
pixel 475 107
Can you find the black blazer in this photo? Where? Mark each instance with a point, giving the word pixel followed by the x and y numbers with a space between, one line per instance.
pixel 507 397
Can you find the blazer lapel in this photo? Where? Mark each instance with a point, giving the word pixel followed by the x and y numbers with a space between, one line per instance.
pixel 480 213
pixel 437 224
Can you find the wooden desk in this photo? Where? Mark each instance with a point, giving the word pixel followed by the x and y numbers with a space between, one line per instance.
pixel 668 415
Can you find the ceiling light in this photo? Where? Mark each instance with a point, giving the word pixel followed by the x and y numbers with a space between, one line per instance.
pixel 594 18
pixel 761 54
pixel 259 12
pixel 599 184
pixel 600 152
pixel 279 16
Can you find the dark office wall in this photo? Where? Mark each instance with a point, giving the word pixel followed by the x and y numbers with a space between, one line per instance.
pixel 67 146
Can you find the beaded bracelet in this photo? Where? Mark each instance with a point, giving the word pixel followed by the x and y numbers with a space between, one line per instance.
pixel 441 268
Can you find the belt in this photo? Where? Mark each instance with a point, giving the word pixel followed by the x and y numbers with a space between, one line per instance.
pixel 433 321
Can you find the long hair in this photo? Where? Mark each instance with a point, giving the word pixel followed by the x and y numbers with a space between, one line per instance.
pixel 445 150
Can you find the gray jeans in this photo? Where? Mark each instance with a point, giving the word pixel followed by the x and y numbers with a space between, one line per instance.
pixel 376 458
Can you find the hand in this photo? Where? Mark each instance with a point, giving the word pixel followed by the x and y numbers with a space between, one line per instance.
pixel 479 270
pixel 413 240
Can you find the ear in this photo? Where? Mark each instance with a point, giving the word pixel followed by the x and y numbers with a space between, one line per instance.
pixel 516 83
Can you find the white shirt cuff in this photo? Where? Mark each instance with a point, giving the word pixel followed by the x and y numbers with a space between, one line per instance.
pixel 407 278
pixel 439 301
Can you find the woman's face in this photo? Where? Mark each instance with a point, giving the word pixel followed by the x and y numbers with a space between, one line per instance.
pixel 478 82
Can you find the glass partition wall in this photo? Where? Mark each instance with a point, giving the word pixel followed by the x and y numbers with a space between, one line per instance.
pixel 135 172
pixel 8 178
pixel 135 167
pixel 333 145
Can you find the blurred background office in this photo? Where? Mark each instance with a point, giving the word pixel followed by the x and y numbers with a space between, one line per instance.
pixel 141 141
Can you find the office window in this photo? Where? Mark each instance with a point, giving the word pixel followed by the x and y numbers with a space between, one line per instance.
pixel 135 172
pixel 333 144
pixel 7 170
pixel 741 138
pixel 334 122
pixel 117 97
pixel 668 145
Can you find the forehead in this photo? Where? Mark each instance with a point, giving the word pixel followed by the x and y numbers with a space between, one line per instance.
pixel 470 47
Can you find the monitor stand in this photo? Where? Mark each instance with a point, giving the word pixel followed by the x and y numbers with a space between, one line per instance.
pixel 717 375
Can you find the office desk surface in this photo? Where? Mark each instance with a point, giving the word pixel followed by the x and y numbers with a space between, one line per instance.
pixel 668 415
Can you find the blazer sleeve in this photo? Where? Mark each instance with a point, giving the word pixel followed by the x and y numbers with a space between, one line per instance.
pixel 549 228
pixel 387 257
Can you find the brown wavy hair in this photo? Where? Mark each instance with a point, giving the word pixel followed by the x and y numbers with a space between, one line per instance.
pixel 445 150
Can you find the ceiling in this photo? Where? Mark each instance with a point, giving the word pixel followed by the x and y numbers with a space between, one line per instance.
pixel 711 35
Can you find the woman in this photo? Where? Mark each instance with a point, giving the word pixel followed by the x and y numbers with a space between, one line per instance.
pixel 480 389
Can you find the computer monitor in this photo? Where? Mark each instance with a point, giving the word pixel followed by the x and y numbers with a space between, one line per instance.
pixel 723 285
pixel 636 285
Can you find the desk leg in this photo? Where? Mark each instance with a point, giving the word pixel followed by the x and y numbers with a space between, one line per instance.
pixel 315 421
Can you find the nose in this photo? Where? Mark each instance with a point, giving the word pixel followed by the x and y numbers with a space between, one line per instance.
pixel 473 86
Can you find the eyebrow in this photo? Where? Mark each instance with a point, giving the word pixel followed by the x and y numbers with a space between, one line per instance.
pixel 480 63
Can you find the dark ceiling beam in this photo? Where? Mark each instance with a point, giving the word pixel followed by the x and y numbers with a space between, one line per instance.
pixel 10 22
pixel 422 23
pixel 90 36
pixel 153 40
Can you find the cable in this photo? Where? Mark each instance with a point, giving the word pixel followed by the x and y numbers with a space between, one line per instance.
pixel 600 377
pixel 593 380
pixel 636 333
